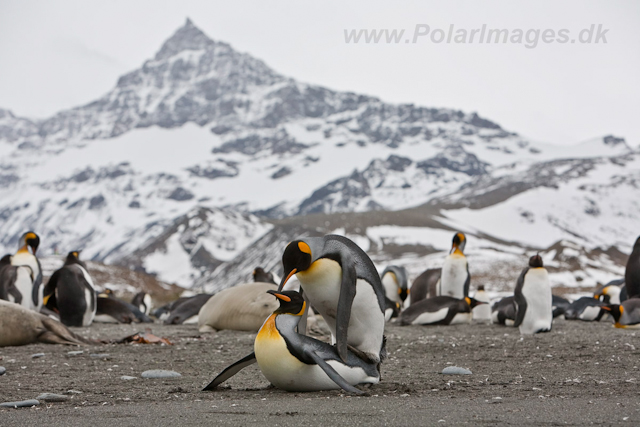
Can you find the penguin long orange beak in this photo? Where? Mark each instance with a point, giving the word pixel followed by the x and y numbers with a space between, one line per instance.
pixel 279 296
pixel 286 279
pixel 604 307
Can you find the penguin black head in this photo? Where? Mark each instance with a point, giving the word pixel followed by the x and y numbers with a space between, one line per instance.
pixel 403 293
pixel 459 242
pixel 73 256
pixel 259 275
pixel 472 302
pixel 291 302
pixel 296 258
pixel 481 287
pixel 31 240
pixel 535 261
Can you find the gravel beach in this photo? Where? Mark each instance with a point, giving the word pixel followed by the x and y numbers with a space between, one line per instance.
pixel 578 374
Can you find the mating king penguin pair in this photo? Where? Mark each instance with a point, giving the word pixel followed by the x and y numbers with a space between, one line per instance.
pixel 21 274
pixel 341 282
pixel 71 293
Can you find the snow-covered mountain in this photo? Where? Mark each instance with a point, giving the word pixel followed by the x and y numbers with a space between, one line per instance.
pixel 204 162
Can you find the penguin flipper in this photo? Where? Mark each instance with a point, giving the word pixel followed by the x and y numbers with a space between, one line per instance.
pixel 230 371
pixel 331 373
pixel 347 294
pixel 519 299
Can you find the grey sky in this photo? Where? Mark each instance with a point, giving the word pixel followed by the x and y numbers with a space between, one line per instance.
pixel 59 54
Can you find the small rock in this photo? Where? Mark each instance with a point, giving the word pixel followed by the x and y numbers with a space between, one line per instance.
pixel 72 392
pixel 52 397
pixel 75 353
pixel 20 404
pixel 105 356
pixel 2 370
pixel 37 355
pixel 127 377
pixel 160 373
pixel 454 370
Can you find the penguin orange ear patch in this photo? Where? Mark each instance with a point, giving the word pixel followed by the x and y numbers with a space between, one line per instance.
pixel 304 248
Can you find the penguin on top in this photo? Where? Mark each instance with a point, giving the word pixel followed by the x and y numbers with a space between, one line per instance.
pixel 29 271
pixel 455 278
pixel 533 300
pixel 71 293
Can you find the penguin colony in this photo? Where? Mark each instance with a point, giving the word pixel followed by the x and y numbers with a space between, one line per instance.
pixel 330 276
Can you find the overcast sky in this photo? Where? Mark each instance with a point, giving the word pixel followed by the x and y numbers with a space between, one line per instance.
pixel 59 54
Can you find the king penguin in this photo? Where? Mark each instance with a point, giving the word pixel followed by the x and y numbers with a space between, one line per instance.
pixel 534 311
pixel 632 273
pixel 296 362
pixel 455 278
pixel 587 309
pixel 16 283
pixel 71 292
pixel 439 311
pixel 627 314
pixel 26 257
pixel 482 313
pixel 341 282
pixel 425 285
pixel 394 281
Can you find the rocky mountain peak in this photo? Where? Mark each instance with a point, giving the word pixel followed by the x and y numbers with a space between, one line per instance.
pixel 187 37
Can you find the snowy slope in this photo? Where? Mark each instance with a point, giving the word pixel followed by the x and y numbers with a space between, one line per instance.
pixel 180 169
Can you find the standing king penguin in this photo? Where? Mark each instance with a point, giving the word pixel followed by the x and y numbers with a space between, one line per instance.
pixel 632 273
pixel 341 282
pixel 16 283
pixel 70 292
pixel 534 310
pixel 296 362
pixel 455 278
pixel 26 257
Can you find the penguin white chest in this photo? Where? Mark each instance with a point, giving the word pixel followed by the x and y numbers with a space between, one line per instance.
pixel 391 287
pixel 322 283
pixel 454 276
pixel 537 292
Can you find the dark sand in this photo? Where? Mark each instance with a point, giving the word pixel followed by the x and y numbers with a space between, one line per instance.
pixel 579 374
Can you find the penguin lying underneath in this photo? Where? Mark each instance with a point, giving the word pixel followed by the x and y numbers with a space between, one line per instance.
pixel 587 309
pixel 534 312
pixel 16 283
pixel 627 314
pixel 70 292
pixel 425 286
pixel 394 281
pixel 440 310
pixel 296 362
pixel 118 311
pixel 503 312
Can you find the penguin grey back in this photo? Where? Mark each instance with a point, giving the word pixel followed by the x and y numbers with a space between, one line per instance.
pixel 632 273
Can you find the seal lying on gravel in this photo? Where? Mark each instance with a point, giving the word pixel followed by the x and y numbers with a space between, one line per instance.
pixel 240 308
pixel 20 326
